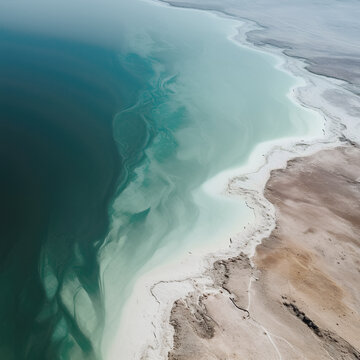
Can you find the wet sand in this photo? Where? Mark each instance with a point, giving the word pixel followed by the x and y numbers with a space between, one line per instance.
pixel 299 296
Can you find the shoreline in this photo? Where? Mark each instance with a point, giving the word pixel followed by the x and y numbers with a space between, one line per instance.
pixel 277 152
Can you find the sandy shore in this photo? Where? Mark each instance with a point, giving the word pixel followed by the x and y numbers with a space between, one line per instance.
pixel 299 297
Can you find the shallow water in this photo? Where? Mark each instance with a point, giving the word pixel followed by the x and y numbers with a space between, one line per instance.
pixel 210 102
pixel 113 139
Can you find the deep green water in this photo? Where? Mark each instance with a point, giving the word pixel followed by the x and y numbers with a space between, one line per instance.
pixel 59 168
pixel 105 143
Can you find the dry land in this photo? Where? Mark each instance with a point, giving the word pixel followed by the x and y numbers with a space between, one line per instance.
pixel 299 296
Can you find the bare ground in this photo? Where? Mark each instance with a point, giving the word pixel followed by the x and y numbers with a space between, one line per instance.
pixel 301 297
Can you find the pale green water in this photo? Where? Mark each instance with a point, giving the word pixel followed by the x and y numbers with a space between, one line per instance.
pixel 211 102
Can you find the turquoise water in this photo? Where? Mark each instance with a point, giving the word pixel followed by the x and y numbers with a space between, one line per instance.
pixel 208 104
pixel 112 119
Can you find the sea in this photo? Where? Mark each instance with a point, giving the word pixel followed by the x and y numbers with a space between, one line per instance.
pixel 113 116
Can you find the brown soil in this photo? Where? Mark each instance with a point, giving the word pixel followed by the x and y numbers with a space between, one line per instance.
pixel 303 301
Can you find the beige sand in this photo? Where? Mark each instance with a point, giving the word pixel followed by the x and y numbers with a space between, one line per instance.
pixel 301 297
